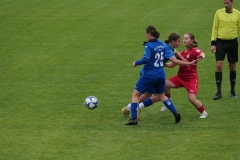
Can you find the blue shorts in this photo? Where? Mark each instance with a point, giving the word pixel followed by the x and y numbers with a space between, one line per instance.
pixel 153 85
pixel 151 90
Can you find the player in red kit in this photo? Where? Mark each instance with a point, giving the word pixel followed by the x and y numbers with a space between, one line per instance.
pixel 187 76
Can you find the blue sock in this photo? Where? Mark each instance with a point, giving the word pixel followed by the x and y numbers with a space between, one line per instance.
pixel 147 102
pixel 168 103
pixel 134 108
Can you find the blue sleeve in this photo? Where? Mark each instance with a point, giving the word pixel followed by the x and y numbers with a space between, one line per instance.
pixel 144 60
pixel 146 56
pixel 168 53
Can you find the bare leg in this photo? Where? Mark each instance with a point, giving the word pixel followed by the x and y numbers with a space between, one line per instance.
pixel 198 105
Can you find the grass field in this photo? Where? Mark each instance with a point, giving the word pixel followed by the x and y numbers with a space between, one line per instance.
pixel 56 53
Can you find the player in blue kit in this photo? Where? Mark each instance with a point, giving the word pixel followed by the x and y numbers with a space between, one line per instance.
pixel 174 40
pixel 155 54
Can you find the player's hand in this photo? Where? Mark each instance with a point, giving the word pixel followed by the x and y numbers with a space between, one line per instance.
pixel 134 64
pixel 199 58
pixel 184 59
pixel 194 62
pixel 213 48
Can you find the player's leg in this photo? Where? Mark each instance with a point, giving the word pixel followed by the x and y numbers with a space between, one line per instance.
pixel 134 107
pixel 141 87
pixel 147 102
pixel 198 105
pixel 160 90
pixel 144 96
pixel 192 89
pixel 141 105
pixel 150 99
pixel 218 78
pixel 219 56
pixel 168 103
pixel 232 55
pixel 169 84
pixel 126 110
pixel 173 82
pixel 232 78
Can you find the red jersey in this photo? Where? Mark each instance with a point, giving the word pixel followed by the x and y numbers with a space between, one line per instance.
pixel 189 71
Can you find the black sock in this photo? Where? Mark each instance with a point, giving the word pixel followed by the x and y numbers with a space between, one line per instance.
pixel 218 77
pixel 232 78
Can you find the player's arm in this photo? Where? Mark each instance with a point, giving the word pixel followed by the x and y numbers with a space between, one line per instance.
pixel 173 59
pixel 169 65
pixel 145 59
pixel 178 55
pixel 179 62
pixel 200 56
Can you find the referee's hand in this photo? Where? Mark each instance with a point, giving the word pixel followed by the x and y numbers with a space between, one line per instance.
pixel 213 48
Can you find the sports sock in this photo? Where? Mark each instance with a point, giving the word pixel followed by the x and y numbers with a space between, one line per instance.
pixel 168 95
pixel 129 107
pixel 134 108
pixel 218 77
pixel 168 103
pixel 147 102
pixel 201 109
pixel 141 105
pixel 232 78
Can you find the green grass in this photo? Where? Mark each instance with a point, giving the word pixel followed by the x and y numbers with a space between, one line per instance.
pixel 56 53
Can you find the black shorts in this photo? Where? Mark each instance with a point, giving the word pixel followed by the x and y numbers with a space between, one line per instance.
pixel 229 47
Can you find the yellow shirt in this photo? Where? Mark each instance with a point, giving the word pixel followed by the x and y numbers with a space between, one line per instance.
pixel 226 26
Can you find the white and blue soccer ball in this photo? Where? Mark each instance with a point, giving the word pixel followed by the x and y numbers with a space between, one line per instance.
pixel 91 102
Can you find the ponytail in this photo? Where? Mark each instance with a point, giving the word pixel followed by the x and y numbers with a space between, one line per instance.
pixel 153 31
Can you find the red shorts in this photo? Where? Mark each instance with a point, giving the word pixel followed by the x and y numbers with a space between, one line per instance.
pixel 190 84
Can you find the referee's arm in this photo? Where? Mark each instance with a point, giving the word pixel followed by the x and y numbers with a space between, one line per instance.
pixel 214 30
pixel 239 26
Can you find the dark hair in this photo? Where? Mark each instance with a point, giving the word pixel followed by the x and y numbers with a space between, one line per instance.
pixel 153 31
pixel 172 37
pixel 191 36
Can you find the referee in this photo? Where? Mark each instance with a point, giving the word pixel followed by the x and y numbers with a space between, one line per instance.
pixel 226 27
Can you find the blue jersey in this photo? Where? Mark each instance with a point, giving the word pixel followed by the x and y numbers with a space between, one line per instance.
pixel 156 53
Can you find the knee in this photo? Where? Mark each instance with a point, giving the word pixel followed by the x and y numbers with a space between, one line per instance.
pixel 219 67
pixel 232 67
pixel 136 94
pixel 192 99
pixel 168 84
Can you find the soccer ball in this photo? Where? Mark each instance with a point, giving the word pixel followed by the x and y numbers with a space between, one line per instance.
pixel 91 102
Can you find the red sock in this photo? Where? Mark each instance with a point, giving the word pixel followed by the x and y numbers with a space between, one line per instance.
pixel 201 109
pixel 168 95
